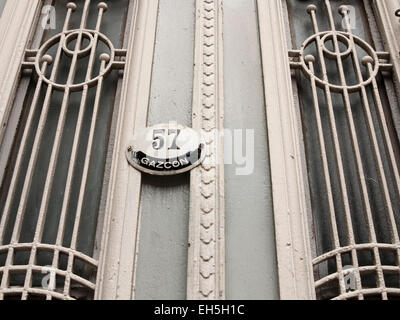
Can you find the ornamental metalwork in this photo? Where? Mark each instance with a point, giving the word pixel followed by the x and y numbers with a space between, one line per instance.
pixel 76 44
pixel 366 70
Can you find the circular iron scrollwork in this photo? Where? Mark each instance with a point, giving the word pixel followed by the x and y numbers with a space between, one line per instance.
pixel 66 43
pixel 345 49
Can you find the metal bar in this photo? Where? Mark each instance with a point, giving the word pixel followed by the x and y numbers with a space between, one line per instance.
pixel 356 149
pixel 111 143
pixel 104 60
pixel 310 60
pixel 371 129
pixel 28 125
pixel 4 221
pixel 335 235
pixel 372 133
pixel 70 86
pixel 55 152
pixel 338 157
pixel 388 143
pixel 32 162
pixel 6 213
pixel 358 247
pixel 51 247
pixel 74 152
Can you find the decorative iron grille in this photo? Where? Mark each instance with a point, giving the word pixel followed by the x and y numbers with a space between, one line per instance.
pixel 71 271
pixel 343 271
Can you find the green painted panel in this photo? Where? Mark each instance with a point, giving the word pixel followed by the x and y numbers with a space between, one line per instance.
pixel 163 242
pixel 250 240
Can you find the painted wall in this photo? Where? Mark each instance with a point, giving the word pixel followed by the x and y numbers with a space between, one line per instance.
pixel 163 244
pixel 250 240
pixel 250 246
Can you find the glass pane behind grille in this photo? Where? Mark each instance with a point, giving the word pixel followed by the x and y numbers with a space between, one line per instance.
pixel 352 147
pixel 52 188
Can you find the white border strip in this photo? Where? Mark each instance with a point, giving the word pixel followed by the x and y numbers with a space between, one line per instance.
pixel 206 256
pixel 389 26
pixel 16 27
pixel 117 265
pixel 288 185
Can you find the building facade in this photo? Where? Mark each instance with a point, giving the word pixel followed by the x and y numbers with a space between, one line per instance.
pixel 297 195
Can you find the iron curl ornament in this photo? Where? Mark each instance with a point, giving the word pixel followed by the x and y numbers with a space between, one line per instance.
pixel 70 42
pixel 103 57
pixel 346 44
pixel 345 49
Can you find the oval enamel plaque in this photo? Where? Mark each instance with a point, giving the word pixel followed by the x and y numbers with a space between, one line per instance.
pixel 165 149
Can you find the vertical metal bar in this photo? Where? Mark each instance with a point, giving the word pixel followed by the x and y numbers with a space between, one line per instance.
pixel 387 139
pixel 8 138
pixel 339 162
pixel 310 60
pixel 59 131
pixel 32 162
pixel 74 153
pixel 111 144
pixel 368 61
pixel 104 60
pixel 357 153
pixel 383 125
pixel 54 154
pixel 16 173
pixel 46 60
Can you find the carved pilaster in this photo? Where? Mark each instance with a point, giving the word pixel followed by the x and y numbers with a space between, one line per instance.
pixel 206 239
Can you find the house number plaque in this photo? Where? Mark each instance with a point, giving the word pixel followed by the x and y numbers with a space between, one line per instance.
pixel 165 149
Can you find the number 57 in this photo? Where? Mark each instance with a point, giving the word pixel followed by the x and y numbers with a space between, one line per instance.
pixel 159 138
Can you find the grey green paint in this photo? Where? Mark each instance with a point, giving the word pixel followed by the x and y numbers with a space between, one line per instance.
pixel 251 268
pixel 163 240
